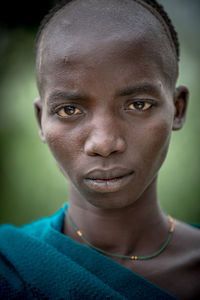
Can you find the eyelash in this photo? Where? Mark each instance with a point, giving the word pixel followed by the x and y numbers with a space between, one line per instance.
pixel 68 106
pixel 151 103
pixel 56 110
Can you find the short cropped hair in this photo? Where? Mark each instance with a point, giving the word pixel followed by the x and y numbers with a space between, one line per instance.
pixel 156 9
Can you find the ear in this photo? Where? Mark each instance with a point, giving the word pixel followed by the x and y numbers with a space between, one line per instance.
pixel 38 114
pixel 181 97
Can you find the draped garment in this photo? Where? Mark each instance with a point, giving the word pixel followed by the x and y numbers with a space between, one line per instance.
pixel 37 261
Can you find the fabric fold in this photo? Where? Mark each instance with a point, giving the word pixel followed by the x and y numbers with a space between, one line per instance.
pixel 50 265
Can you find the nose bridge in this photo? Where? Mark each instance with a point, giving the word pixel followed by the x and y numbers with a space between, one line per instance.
pixel 105 136
pixel 106 124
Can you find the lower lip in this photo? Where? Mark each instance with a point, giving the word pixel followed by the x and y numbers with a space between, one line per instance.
pixel 108 185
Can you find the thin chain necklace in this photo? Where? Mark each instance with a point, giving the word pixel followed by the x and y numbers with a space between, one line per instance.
pixel 131 257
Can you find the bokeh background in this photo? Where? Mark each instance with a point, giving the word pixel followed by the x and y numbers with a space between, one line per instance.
pixel 31 184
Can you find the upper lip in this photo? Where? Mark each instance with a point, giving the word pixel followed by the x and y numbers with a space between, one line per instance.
pixel 108 173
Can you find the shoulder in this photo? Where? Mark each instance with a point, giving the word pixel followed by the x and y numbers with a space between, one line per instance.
pixel 18 240
pixel 178 268
pixel 13 236
pixel 187 236
pixel 35 229
pixel 17 245
pixel 186 245
pixel 185 259
pixel 14 239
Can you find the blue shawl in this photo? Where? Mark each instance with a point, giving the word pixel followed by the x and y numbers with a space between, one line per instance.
pixel 37 261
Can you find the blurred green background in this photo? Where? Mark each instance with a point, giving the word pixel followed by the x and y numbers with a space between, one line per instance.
pixel 31 184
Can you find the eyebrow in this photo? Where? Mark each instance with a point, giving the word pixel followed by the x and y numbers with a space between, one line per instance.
pixel 64 95
pixel 141 88
pixel 130 90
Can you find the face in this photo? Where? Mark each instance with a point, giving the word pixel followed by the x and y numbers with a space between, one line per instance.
pixel 107 113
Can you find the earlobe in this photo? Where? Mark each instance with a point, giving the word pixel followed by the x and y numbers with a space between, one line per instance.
pixel 181 97
pixel 38 114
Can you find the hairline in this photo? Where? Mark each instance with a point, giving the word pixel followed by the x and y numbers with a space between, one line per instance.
pixel 140 2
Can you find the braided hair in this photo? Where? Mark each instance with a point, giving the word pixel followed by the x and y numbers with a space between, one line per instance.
pixel 156 9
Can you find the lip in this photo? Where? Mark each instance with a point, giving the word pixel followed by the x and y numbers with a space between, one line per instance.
pixel 110 180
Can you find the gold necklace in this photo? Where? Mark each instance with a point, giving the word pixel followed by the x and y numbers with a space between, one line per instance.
pixel 131 257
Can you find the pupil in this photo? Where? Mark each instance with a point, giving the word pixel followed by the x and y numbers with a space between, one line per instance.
pixel 139 104
pixel 70 110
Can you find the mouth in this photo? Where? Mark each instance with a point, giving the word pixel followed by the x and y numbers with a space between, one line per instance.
pixel 105 181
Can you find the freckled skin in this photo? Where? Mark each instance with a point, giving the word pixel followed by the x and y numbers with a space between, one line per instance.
pixel 109 132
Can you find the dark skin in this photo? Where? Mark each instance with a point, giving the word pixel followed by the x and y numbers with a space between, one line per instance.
pixel 107 109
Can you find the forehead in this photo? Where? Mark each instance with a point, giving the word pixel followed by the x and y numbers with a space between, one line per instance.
pixel 102 17
pixel 90 28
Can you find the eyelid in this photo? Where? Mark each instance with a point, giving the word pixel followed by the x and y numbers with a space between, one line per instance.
pixel 55 107
pixel 144 100
pixel 148 100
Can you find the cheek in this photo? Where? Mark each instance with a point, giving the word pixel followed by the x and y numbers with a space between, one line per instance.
pixel 156 143
pixel 62 143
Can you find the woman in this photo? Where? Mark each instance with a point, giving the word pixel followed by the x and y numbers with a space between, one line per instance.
pixel 106 74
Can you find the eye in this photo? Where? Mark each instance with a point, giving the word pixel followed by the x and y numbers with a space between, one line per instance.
pixel 140 105
pixel 68 110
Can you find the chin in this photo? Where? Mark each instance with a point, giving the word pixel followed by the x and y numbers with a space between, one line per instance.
pixel 110 200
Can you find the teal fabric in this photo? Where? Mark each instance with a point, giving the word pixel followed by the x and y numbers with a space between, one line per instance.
pixel 37 261
pixel 197 225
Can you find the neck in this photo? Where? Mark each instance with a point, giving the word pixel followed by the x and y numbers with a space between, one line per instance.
pixel 139 228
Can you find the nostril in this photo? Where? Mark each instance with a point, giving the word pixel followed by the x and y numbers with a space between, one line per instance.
pixel 104 147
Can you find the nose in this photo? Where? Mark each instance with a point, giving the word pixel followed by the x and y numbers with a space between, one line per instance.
pixel 104 139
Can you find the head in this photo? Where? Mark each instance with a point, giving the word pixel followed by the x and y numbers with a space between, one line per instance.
pixel 106 74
